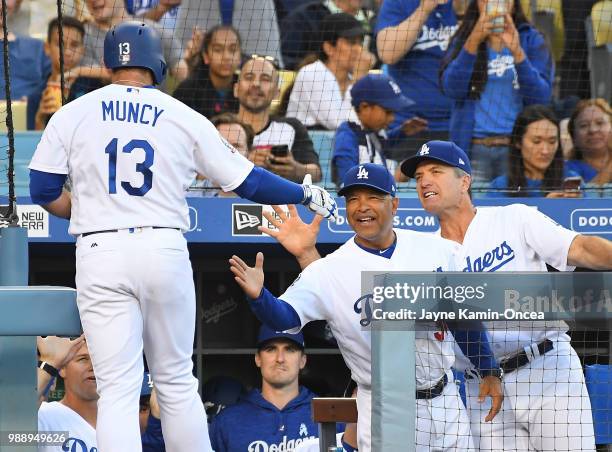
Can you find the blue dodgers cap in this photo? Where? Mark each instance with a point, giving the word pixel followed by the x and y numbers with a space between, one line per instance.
pixel 147 385
pixel 267 334
pixel 379 89
pixel 370 175
pixel 443 151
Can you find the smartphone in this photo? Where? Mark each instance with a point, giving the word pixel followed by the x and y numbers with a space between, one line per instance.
pixel 572 183
pixel 495 7
pixel 280 150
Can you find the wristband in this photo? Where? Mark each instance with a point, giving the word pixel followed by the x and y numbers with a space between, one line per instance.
pixel 48 368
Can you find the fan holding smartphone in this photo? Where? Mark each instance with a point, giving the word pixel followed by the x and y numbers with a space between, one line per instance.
pixel 536 166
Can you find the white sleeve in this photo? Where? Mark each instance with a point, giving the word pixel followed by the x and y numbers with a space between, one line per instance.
pixel 218 160
pixel 548 239
pixel 51 155
pixel 306 295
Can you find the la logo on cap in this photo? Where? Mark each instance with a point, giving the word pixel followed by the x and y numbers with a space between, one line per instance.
pixel 362 173
pixel 424 150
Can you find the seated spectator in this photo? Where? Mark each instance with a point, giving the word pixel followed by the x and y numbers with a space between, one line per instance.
pixel 239 135
pixel 320 96
pixel 376 98
pixel 281 145
pixel 209 89
pixel 590 127
pixel 492 73
pixel 253 422
pixel 28 64
pixel 411 38
pixel 47 99
pixel 536 166
pixel 77 412
pixel 104 15
pixel 255 20
pixel 300 28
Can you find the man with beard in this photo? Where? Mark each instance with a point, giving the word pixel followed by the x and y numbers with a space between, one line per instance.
pixel 281 145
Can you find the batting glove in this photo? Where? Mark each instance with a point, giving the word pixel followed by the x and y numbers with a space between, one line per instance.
pixel 319 200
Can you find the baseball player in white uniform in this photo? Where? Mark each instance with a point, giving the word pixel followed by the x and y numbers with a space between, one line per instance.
pixel 329 289
pixel 546 405
pixel 131 151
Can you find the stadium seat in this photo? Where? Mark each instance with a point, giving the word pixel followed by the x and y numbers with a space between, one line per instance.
pixel 323 141
pixel 19 110
pixel 599 40
pixel 25 145
pixel 547 16
pixel 285 79
pixel 599 380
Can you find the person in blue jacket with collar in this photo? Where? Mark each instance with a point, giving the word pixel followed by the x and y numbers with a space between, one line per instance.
pixel 276 416
pixel 492 71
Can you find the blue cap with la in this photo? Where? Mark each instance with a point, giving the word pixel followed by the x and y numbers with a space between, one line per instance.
pixel 267 334
pixel 379 89
pixel 370 175
pixel 443 151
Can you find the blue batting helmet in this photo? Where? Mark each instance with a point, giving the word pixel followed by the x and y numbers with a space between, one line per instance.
pixel 135 44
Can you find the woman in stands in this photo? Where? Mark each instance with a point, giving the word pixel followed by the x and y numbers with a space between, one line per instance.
pixel 590 127
pixel 209 89
pixel 320 96
pixel 535 160
pixel 496 65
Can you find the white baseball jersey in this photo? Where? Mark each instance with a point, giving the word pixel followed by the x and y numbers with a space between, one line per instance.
pixel 516 238
pixel 143 178
pixel 57 417
pixel 329 288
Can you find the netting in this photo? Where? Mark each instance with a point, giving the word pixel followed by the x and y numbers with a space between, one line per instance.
pixel 314 87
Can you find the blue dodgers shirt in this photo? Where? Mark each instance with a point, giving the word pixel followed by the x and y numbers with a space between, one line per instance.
pixel 500 102
pixel 417 71
pixel 29 66
pixel 254 424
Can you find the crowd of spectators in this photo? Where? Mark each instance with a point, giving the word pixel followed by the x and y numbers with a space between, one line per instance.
pixel 470 72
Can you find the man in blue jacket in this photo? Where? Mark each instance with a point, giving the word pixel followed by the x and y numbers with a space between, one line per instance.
pixel 277 415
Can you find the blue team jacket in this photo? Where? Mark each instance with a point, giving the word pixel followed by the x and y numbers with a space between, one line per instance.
pixel 535 76
pixel 254 424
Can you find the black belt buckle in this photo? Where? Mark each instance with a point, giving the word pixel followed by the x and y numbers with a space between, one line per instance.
pixel 434 391
pixel 520 359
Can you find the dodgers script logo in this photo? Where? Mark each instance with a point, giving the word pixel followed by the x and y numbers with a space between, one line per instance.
pixel 284 445
pixel 364 304
pixel 77 445
pixel 492 260
pixel 435 37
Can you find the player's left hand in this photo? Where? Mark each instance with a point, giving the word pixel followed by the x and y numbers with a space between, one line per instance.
pixel 319 200
pixel 58 351
pixel 250 279
pixel 491 386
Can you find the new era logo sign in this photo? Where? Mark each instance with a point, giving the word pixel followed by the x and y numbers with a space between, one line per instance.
pixel 362 173
pixel 246 218
pixel 424 150
pixel 394 86
pixel 461 162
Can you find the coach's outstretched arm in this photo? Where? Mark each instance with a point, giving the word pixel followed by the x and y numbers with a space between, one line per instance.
pixel 590 252
pixel 272 311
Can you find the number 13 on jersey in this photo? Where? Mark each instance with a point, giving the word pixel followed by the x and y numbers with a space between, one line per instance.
pixel 144 167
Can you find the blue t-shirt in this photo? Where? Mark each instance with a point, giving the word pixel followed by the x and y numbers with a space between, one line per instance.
pixel 500 102
pixel 583 169
pixel 29 66
pixel 417 71
pixel 533 189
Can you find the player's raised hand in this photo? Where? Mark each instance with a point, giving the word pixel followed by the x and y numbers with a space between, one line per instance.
pixel 58 351
pixel 250 279
pixel 491 386
pixel 319 200
pixel 293 234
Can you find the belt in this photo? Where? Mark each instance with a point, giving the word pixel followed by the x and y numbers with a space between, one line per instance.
pixel 107 231
pixel 492 141
pixel 522 358
pixel 434 391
